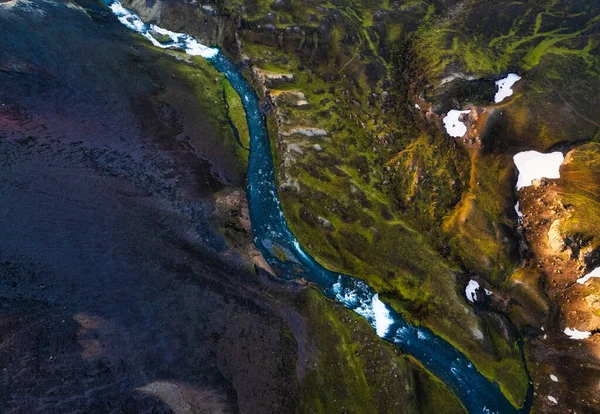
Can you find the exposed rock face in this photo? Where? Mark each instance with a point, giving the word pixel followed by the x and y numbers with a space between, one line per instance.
pixel 557 243
pixel 561 258
pixel 269 79
pixel 306 131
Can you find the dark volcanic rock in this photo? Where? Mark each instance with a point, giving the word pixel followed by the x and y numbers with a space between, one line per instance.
pixel 114 296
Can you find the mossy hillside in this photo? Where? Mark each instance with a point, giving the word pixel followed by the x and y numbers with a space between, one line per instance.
pixel 183 84
pixel 397 261
pixel 554 105
pixel 217 98
pixel 427 178
pixel 356 372
pixel 366 239
pixel 237 115
pixel 553 44
pixel 531 307
pixel 479 228
pixel 517 35
pixel 579 187
pixel 344 184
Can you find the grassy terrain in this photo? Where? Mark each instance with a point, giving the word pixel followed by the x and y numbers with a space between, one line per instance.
pixel 478 227
pixel 580 188
pixel 237 114
pixel 385 196
pixel 351 368
pixel 384 185
pixel 357 372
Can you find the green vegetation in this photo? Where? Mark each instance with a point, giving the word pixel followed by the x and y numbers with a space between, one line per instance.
pixel 385 196
pixel 477 227
pixel 517 35
pixel 237 114
pixel 352 370
pixel 382 183
pixel 579 187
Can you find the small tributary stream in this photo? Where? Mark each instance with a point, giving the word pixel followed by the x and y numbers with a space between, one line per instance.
pixel 476 392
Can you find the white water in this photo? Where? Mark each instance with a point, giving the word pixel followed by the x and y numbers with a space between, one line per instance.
pixel 454 127
pixel 533 165
pixel 177 40
pixel 519 212
pixel 505 87
pixel 373 310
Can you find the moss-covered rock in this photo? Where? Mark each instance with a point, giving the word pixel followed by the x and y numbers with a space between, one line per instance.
pixel 371 185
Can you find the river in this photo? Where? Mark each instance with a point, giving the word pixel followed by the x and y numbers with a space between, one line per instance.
pixel 475 391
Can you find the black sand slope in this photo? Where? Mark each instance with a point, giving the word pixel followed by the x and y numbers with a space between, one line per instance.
pixel 113 295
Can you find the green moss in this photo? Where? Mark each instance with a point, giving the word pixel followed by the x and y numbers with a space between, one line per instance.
pixel 237 114
pixel 374 236
pixel 205 82
pixel 579 187
pixel 356 372
pixel 474 229
pixel 519 35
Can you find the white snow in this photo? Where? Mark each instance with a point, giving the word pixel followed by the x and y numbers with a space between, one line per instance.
pixel 505 87
pixel 470 290
pixel 554 378
pixel 453 126
pixel 593 273
pixel 552 399
pixel 533 165
pixel 181 40
pixel 575 334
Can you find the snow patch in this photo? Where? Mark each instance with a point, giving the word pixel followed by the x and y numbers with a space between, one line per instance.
pixel 575 334
pixel 553 377
pixel 470 290
pixel 454 127
pixel 505 87
pixel 552 399
pixel 533 165
pixel 593 273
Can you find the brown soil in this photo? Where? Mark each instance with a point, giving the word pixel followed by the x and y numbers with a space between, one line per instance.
pixel 576 363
